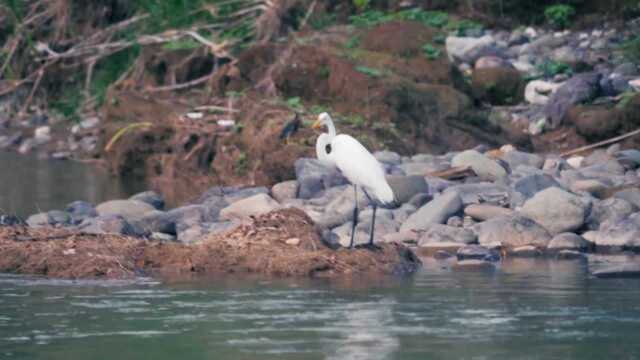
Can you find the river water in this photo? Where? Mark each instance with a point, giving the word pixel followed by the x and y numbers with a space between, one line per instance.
pixel 530 309
pixel 29 184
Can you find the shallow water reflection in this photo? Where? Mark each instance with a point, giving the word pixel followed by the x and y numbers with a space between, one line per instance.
pixel 30 185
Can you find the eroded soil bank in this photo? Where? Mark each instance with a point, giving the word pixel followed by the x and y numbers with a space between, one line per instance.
pixel 283 243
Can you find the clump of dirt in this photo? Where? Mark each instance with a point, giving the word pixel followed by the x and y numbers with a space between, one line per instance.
pixel 283 243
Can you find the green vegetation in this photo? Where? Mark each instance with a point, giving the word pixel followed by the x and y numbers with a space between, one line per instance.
pixel 460 27
pixel 559 15
pixel 361 4
pixel 355 120
pixel 553 68
pixel 631 49
pixel 295 104
pixel 242 164
pixel 353 42
pixel 369 71
pixel 68 103
pixel 371 18
pixel 110 69
pixel 322 21
pixel 431 52
pixel 318 109
pixel 625 99
pixel 182 44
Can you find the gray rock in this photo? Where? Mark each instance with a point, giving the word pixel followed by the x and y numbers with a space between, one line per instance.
pixel 437 211
pixel 557 210
pixel 199 232
pixel 109 224
pixel 419 200
pixel 565 54
pixel 485 168
pixel 485 193
pixel 568 241
pixel 532 184
pixel 252 206
pixel 623 235
pixel 475 252
pixel 473 265
pixel 631 195
pixel 483 212
pixel 402 213
pixel 455 221
pixel 525 251
pixel 50 218
pixel 611 210
pixel 468 49
pixel 438 233
pixel 131 210
pixel 11 140
pixel 516 158
pixel 388 157
pixel 38 220
pixel 570 255
pixel 511 232
pixel 340 209
pixel 150 197
pixel 330 239
pixel 10 220
pixel 594 187
pixel 578 89
pixel 630 270
pixel 285 190
pixel 628 158
pixel 422 168
pixel 244 193
pixel 162 237
pixel 406 187
pixel 409 237
pixel 313 177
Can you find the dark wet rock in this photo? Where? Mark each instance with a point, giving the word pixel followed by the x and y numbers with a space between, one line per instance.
pixel 484 167
pixel 437 211
pixel 475 252
pixel 110 224
pixel 10 220
pixel 532 184
pixel 314 177
pixel 330 239
pixel 557 210
pixel 578 89
pixel 631 270
pixel 438 233
pixel 406 187
pixel 484 212
pixel 150 197
pixel 511 232
pixel 81 210
pixel 568 241
pixel 473 265
pixel 570 255
pixel 132 210
pixel 285 190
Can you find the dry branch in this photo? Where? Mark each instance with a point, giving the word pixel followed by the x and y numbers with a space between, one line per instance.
pixel 601 143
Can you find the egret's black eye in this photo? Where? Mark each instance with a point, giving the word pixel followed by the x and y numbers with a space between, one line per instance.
pixel 328 148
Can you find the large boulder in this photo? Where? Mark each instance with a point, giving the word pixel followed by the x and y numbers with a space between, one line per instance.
pixel 483 212
pixel 538 91
pixel 339 209
pixel 110 224
pixel 313 176
pixel 438 233
pixel 533 184
pixel 131 210
pixel 484 193
pixel 568 241
pixel 609 211
pixel 578 89
pixel 285 190
pixel 437 211
pixel 484 167
pixel 624 235
pixel 511 232
pixel 469 49
pixel 498 86
pixel 150 197
pixel 406 187
pixel 557 210
pixel 251 206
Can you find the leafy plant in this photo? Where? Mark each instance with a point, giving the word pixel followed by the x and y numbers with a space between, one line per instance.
pixel 559 15
pixel 355 120
pixel 353 42
pixel 436 19
pixel 242 164
pixel 369 71
pixel 295 103
pixel 461 27
pixel 431 52
pixel 631 49
pixel 322 21
pixel 110 69
pixel 182 44
pixel 370 18
pixel 68 103
pixel 318 109
pixel 361 4
pixel 553 68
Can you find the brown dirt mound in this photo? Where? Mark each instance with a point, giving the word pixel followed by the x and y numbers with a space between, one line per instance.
pixel 282 243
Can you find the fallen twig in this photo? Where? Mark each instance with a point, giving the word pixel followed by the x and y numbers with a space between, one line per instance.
pixel 180 86
pixel 601 143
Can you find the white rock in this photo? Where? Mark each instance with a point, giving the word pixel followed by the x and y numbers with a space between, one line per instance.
pixel 538 91
pixel 575 161
pixel 42 134
pixel 635 84
pixel 531 33
pixel 462 49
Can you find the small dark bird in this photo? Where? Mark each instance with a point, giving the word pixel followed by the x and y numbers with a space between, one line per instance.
pixel 290 128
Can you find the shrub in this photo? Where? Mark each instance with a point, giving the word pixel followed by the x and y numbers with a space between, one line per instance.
pixel 559 15
pixel 631 49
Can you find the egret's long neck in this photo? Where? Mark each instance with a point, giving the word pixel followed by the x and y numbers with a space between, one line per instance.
pixel 331 129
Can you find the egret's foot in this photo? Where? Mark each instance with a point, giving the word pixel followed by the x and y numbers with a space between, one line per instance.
pixel 369 246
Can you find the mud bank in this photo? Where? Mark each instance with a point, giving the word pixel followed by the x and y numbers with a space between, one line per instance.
pixel 283 243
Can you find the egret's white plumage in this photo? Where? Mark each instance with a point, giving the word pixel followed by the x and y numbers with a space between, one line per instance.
pixel 356 163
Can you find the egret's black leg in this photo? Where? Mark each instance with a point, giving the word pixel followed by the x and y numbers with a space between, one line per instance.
pixel 373 224
pixel 355 216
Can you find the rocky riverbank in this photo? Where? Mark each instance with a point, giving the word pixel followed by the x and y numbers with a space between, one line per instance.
pixel 476 206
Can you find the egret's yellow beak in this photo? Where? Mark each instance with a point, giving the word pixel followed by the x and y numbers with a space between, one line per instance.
pixel 317 124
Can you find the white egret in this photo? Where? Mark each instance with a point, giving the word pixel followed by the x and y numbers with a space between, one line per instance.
pixel 358 165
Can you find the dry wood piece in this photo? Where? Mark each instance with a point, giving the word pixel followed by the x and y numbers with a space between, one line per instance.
pixel 601 143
